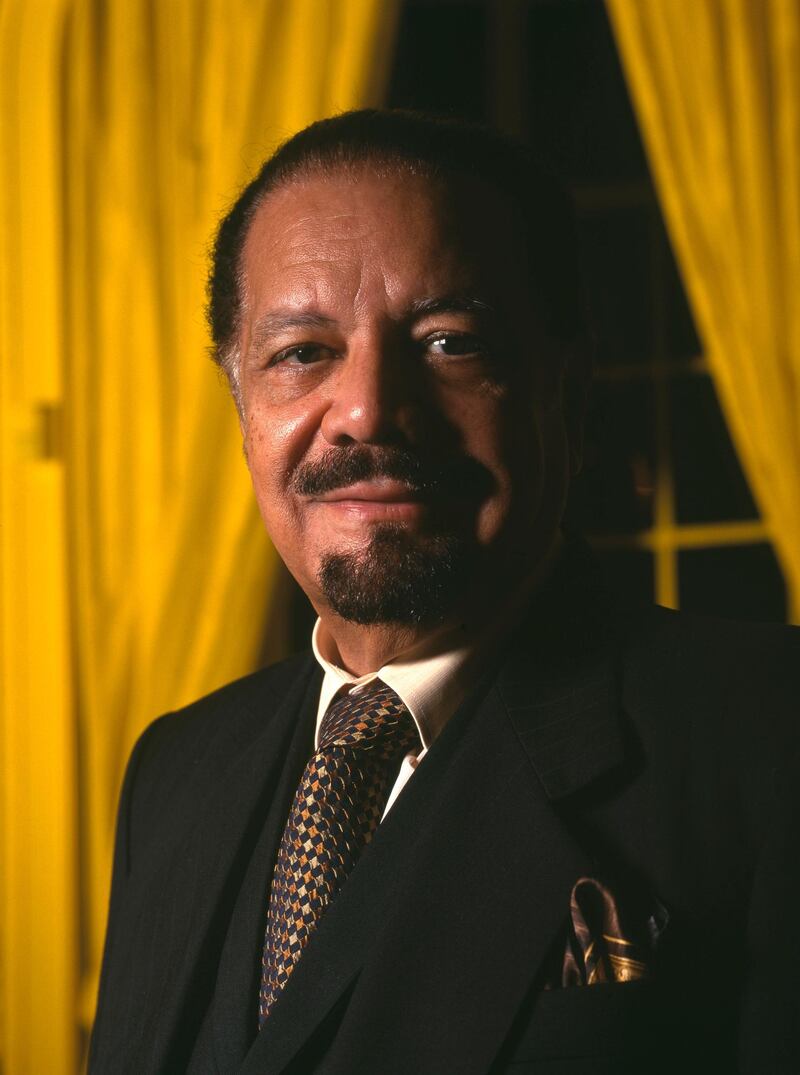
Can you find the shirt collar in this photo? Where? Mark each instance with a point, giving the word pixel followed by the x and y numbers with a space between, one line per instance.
pixel 431 686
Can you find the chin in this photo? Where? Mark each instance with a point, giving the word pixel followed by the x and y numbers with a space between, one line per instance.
pixel 395 579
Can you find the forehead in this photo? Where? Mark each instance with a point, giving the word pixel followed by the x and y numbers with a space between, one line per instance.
pixel 354 232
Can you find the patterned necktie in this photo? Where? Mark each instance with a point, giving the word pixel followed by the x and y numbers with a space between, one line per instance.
pixel 337 806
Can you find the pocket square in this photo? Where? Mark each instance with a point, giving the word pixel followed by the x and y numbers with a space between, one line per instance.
pixel 605 944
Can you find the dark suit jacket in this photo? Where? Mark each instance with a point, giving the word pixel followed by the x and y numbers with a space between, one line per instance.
pixel 653 749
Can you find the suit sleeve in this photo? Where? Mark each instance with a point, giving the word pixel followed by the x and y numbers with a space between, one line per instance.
pixel 770 1016
pixel 143 749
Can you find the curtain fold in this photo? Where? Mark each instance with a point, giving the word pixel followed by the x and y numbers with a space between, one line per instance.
pixel 716 87
pixel 131 551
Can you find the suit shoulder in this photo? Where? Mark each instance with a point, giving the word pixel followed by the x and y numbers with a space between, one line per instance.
pixel 714 633
pixel 737 646
pixel 222 720
pixel 264 689
pixel 739 678
pixel 265 686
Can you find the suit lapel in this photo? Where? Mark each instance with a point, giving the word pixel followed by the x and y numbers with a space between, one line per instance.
pixel 235 1005
pixel 187 898
pixel 558 683
pixel 453 906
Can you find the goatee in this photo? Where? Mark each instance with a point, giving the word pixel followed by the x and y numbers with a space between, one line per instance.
pixel 398 579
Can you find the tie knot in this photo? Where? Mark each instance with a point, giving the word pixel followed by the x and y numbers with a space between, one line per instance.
pixel 374 715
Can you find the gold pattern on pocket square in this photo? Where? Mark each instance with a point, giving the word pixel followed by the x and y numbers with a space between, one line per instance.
pixel 602 945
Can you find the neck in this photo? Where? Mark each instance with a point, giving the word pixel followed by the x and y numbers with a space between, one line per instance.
pixel 360 650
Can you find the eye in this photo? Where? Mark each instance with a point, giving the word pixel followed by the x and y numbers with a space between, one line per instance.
pixel 455 344
pixel 301 354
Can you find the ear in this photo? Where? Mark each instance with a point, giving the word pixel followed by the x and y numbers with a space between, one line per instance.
pixel 577 378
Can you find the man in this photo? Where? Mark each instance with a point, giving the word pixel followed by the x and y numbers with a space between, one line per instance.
pixel 493 823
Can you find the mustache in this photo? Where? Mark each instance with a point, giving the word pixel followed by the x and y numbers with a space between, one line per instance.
pixel 338 468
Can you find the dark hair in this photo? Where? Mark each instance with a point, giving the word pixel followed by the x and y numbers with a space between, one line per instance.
pixel 426 145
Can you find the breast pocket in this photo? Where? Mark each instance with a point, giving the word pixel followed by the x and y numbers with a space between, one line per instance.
pixel 615 1027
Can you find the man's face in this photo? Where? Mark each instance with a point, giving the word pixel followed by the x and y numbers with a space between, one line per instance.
pixel 401 407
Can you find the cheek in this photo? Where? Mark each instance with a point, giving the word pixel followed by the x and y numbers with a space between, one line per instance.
pixel 273 444
pixel 275 440
pixel 507 438
pixel 503 449
pixel 522 447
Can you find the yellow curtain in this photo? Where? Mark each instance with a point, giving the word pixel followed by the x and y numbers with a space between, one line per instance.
pixel 135 575
pixel 716 86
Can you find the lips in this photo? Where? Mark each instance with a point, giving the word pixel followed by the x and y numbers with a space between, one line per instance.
pixel 381 491
pixel 382 500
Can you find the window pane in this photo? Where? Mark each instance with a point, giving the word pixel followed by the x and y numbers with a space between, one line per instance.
pixel 614 494
pixel 709 484
pixel 628 574
pixel 616 249
pixel 440 59
pixel 682 340
pixel 580 112
pixel 742 581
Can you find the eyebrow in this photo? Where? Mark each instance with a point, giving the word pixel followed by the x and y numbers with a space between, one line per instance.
pixel 450 304
pixel 273 324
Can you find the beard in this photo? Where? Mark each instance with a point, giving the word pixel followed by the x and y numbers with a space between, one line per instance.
pixel 397 579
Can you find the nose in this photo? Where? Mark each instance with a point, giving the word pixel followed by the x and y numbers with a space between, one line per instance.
pixel 375 395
